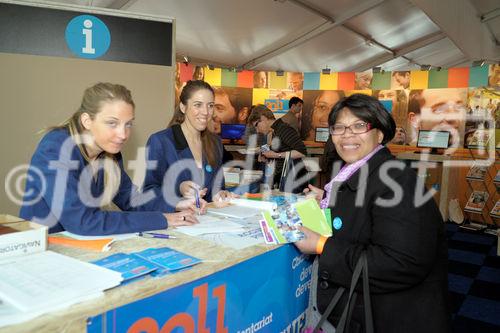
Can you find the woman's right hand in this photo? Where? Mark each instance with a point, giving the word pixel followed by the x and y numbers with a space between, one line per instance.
pixel 315 192
pixel 186 217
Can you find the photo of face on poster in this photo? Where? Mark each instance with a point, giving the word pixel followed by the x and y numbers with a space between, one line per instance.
pixel 494 76
pixel 398 101
pixel 363 80
pixel 231 105
pixel 437 110
pixel 295 82
pixel 400 80
pixel 260 79
pixel 317 107
pixel 199 73
pixel 481 117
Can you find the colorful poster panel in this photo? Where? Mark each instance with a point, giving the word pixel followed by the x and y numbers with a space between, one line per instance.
pixel 363 80
pixel 295 83
pixel 437 110
pixel 317 107
pixel 494 76
pixel 396 102
pixel 232 106
pixel 400 80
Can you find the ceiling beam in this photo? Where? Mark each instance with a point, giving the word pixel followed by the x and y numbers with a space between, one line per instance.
pixel 316 31
pixel 490 15
pixel 121 4
pixel 459 20
pixel 407 48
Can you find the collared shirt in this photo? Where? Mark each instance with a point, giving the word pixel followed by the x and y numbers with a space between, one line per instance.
pixel 169 150
pixel 285 138
pixel 59 194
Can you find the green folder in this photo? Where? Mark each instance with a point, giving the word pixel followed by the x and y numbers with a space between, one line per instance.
pixel 313 217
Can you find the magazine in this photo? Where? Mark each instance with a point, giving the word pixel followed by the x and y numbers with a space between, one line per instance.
pixel 496 210
pixel 154 261
pixel 477 172
pixel 497 177
pixel 478 139
pixel 476 201
pixel 281 226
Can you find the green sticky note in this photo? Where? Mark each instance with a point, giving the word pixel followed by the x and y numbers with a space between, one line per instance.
pixel 312 217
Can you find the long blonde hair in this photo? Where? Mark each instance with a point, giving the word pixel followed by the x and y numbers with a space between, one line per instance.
pixel 208 140
pixel 92 101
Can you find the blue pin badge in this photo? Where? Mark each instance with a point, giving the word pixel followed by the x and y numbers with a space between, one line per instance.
pixel 208 168
pixel 337 223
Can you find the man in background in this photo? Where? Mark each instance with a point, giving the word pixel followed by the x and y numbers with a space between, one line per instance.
pixel 292 117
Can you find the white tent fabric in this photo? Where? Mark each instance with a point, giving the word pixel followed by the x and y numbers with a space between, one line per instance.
pixel 344 35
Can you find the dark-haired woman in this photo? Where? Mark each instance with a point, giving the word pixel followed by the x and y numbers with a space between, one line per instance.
pixel 186 157
pixel 376 207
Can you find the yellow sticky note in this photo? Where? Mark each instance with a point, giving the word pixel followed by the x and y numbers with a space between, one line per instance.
pixel 260 95
pixel 328 81
pixel 419 79
pixel 213 76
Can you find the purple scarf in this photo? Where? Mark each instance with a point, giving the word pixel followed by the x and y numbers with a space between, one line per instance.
pixel 345 173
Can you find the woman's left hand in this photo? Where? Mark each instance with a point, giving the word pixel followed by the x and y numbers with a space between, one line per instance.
pixel 308 244
pixel 222 198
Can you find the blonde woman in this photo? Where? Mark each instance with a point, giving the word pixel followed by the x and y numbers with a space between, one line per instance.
pixel 77 170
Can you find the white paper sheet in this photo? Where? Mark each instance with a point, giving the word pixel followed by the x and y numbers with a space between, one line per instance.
pixel 48 279
pixel 211 225
pixel 116 237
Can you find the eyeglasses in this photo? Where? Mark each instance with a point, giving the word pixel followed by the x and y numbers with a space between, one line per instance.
pixel 356 128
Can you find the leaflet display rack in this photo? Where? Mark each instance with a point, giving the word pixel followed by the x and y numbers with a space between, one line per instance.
pixel 483 186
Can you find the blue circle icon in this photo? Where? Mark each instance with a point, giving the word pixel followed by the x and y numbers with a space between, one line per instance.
pixel 208 168
pixel 87 36
pixel 337 223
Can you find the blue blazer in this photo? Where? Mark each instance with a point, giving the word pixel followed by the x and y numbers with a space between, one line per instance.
pixel 165 149
pixel 52 196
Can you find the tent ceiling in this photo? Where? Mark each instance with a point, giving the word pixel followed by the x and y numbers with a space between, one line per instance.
pixel 345 35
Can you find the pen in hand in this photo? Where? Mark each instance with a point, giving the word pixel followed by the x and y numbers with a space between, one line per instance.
pixel 197 200
pixel 155 235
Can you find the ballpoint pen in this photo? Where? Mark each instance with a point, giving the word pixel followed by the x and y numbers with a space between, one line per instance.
pixel 155 235
pixel 197 199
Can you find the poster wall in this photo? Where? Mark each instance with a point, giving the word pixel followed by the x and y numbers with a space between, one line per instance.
pixel 462 101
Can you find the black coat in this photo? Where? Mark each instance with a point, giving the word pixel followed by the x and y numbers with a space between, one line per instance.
pixel 406 252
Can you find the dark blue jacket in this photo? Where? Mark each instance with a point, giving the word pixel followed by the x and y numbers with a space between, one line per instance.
pixel 52 194
pixel 165 149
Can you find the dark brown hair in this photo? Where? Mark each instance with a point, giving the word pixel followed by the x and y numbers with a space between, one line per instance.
pixel 208 140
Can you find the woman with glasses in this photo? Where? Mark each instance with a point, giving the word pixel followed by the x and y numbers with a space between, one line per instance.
pixel 376 207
